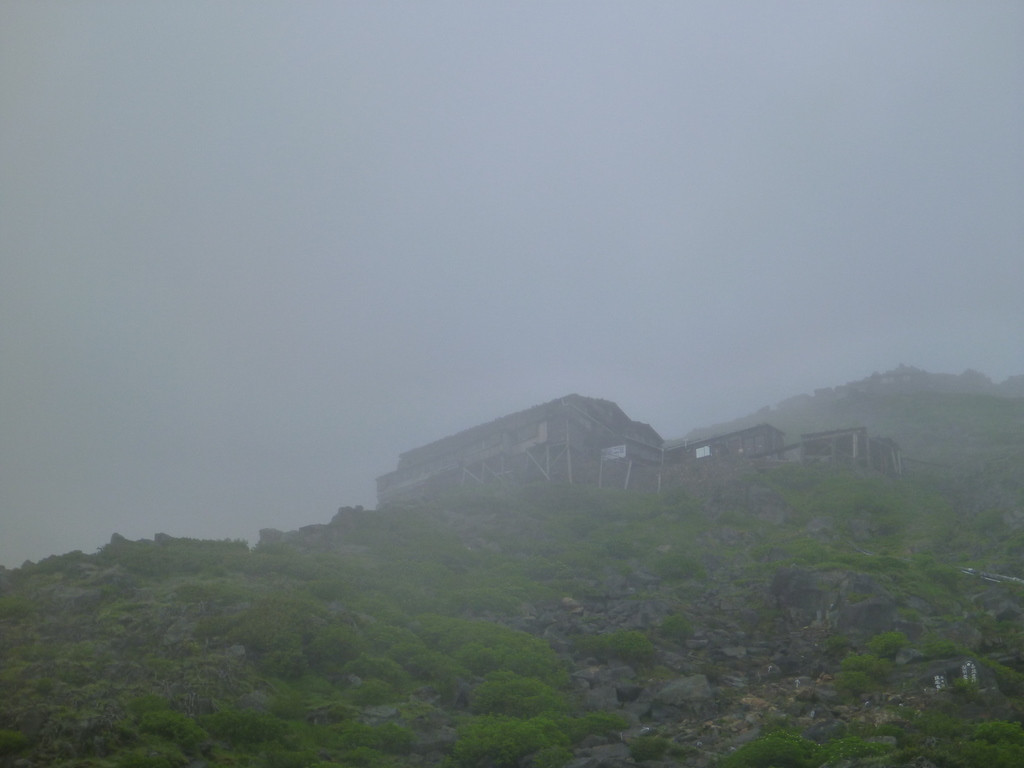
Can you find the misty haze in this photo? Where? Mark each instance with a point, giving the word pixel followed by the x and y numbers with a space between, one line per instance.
pixel 511 385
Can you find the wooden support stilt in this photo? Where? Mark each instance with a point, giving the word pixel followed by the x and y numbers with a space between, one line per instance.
pixel 547 474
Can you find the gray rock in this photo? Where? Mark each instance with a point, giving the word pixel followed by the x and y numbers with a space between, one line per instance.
pixel 685 691
pixel 944 672
pixel 868 617
pixel 860 529
pixel 1000 605
pixel 824 730
pixel 797 591
pixel 426 694
pixel 767 505
pixel 908 656
pixel 964 634
pixel 862 584
pixel 746 737
pixel 920 605
pixel 270 536
pixel 258 701
pixel 438 740
pixel 463 692
pixel 601 698
pixel 826 694
pixel 627 693
pixel 607 752
pixel 616 674
pixel 636 709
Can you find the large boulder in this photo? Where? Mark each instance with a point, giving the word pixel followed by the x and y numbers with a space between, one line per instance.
pixel 601 698
pixel 688 697
pixel 799 593
pixel 868 617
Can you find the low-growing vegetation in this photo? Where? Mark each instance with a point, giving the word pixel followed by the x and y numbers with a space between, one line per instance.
pixel 529 627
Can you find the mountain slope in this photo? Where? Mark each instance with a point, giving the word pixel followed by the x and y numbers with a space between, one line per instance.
pixel 793 616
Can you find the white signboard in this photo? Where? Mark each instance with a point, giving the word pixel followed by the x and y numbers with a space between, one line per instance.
pixel 615 452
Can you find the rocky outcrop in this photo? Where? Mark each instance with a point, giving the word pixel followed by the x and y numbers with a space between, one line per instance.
pixel 320 537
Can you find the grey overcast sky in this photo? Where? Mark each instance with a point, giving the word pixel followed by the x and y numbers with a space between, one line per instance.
pixel 251 251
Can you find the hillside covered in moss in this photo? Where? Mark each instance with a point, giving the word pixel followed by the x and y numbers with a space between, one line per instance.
pixel 792 616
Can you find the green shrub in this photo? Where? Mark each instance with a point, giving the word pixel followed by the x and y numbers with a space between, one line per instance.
pixel 58 563
pixel 619 549
pixel 372 692
pixel 379 667
pixel 142 760
pixel 999 732
pixel 780 749
pixel 475 599
pixel 504 740
pixel 628 645
pixel 15 608
pixel 875 668
pixel 938 648
pixel 148 703
pixel 850 748
pixel 173 727
pixel 836 645
pixel 12 741
pixel 389 737
pixel 394 739
pixel 334 646
pixel 244 727
pixel 648 747
pixel 938 726
pixel 290 759
pixel 678 567
pixel 289 664
pixel 980 754
pixel 176 556
pixel 599 723
pixel 887 644
pixel 277 622
pixel 426 664
pixel 675 627
pixel 506 693
pixel 862 673
pixel 483 647
pixel 551 757
pixel 363 757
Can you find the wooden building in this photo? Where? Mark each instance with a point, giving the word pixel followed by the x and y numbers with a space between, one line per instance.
pixel 567 439
pixel 854 447
pixel 753 442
